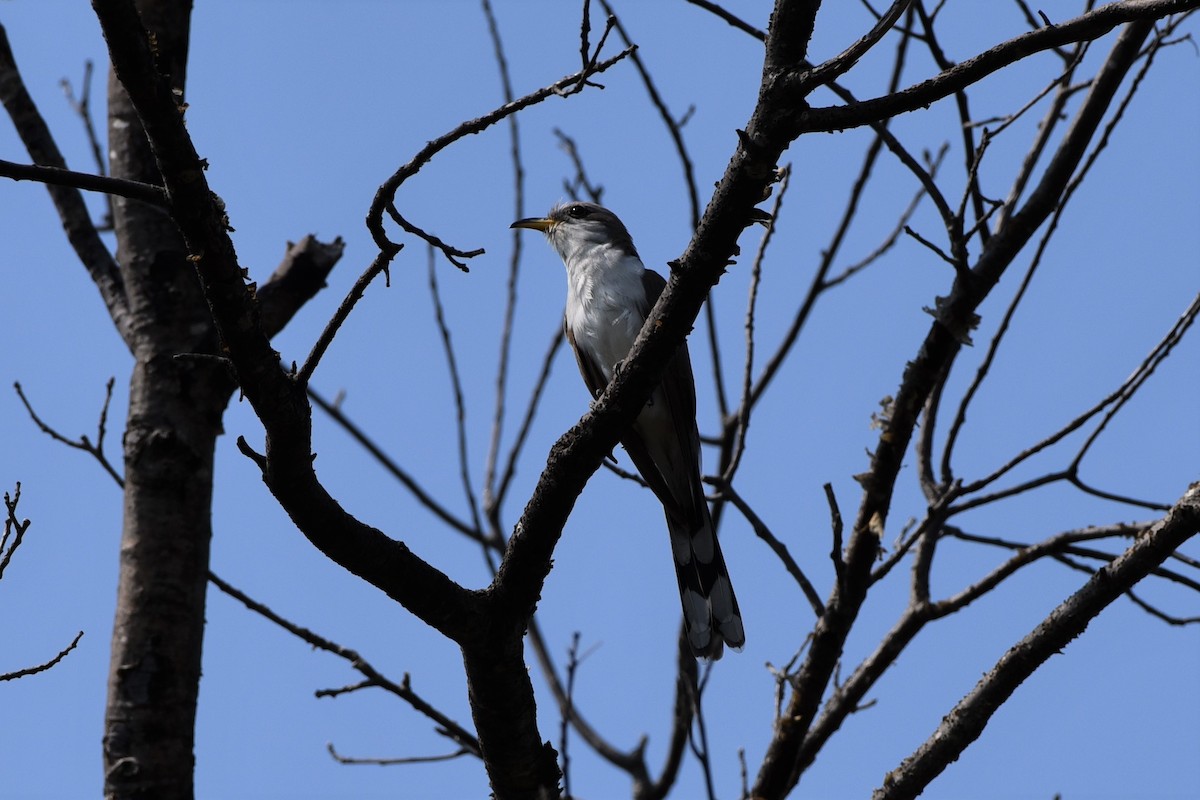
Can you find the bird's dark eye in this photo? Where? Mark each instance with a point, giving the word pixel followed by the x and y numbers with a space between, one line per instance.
pixel 578 212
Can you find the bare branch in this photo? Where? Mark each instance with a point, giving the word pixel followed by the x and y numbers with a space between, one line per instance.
pixel 490 503
pixel 779 548
pixel 445 726
pixel 21 673
pixel 387 191
pixel 72 211
pixel 1114 400
pixel 580 182
pixel 56 176
pixel 1088 26
pixel 531 408
pixel 13 528
pixel 378 265
pixel 391 762
pixel 733 20
pixel 300 275
pixel 954 318
pixel 843 62
pixel 82 443
pixel 966 721
pixel 337 415
pixel 460 417
pixel 633 762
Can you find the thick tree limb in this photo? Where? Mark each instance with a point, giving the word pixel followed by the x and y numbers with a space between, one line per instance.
pixel 278 400
pixel 297 279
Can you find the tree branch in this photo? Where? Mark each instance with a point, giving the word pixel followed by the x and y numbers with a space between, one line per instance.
pixel 76 220
pixel 964 724
pixel 1091 25
pixel 56 176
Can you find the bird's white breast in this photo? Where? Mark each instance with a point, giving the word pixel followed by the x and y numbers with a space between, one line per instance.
pixel 604 298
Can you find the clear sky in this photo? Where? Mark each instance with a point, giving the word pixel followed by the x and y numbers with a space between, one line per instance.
pixel 303 108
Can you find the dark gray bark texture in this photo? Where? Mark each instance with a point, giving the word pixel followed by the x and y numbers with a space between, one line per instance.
pixel 175 406
pixel 176 401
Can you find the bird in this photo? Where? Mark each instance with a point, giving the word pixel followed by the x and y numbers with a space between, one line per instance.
pixel 609 295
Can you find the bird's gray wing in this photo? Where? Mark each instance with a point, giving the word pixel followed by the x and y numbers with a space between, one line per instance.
pixel 677 465
pixel 593 378
pixel 672 450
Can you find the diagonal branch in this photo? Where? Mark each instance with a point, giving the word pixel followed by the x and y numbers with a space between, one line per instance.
pixel 966 721
pixel 955 317
pixel 385 195
pixel 1091 25
pixel 76 220
pixel 277 399
pixel 57 176
pixel 445 726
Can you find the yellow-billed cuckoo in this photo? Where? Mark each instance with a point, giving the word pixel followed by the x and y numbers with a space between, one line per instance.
pixel 609 295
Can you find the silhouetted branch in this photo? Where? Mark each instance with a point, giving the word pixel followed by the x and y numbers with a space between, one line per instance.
pixel 399 473
pixel 490 502
pixel 531 408
pixel 387 191
pixel 72 211
pixel 732 19
pixel 966 721
pixel 21 673
pixel 445 726
pixel 787 756
pixel 392 762
pixel 460 416
pixel 95 450
pixel 56 176
pixel 1086 27
pixel 737 425
pixel 378 265
pixel 763 532
pixel 1113 401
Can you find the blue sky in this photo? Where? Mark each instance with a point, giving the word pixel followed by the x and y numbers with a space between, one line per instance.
pixel 303 108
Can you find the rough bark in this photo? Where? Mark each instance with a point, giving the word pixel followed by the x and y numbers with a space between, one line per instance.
pixel 175 407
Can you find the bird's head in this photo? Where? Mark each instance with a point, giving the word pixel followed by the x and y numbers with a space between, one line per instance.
pixel 577 229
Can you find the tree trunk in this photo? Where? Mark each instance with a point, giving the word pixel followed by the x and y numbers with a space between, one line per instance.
pixel 175 407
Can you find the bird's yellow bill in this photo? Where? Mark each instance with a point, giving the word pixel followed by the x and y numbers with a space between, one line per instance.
pixel 542 224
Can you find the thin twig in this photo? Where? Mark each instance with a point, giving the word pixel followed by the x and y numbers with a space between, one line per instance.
pixel 632 762
pixel 594 191
pixel 742 415
pixel 490 497
pixel 391 762
pixel 573 661
pixel 13 528
pixel 339 416
pixel 460 416
pixel 890 240
pixel 762 531
pixel 21 673
pixel 378 265
pixel 57 176
pixel 531 408
pixel 96 450
pixel 1115 398
pixel 445 726
pixel 732 19
pixel 384 196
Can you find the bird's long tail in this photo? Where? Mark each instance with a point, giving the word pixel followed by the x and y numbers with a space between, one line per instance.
pixel 710 611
